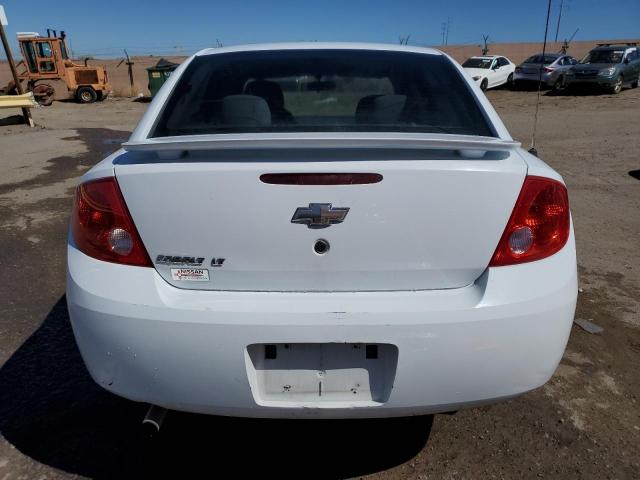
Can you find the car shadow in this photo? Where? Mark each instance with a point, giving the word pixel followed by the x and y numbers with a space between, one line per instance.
pixel 635 174
pixel 580 92
pixel 52 411
pixel 564 92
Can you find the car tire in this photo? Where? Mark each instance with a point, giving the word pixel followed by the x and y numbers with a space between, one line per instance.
pixel 510 80
pixel 559 85
pixel 635 84
pixel 484 84
pixel 617 87
pixel 86 95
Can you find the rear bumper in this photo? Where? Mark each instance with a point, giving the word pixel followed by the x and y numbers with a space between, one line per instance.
pixel 547 78
pixel 187 350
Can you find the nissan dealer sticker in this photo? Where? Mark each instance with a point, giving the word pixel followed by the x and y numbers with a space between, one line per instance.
pixel 191 274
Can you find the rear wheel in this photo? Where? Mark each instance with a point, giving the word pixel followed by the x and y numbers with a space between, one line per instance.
pixel 559 85
pixel 484 84
pixel 635 84
pixel 617 87
pixel 510 80
pixel 86 95
pixel 43 94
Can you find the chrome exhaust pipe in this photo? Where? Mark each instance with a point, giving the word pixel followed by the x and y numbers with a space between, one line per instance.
pixel 154 419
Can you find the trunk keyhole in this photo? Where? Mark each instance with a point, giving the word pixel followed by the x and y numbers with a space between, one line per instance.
pixel 321 247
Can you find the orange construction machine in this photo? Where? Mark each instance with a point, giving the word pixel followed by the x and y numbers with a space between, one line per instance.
pixel 46 59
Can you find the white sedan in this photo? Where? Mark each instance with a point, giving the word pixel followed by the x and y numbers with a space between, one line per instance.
pixel 490 71
pixel 314 230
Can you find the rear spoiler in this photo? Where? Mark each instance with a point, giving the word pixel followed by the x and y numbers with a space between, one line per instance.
pixel 413 141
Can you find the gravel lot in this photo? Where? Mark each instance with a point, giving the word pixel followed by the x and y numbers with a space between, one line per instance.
pixel 585 423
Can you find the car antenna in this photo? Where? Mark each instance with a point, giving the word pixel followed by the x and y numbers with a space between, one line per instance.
pixel 532 148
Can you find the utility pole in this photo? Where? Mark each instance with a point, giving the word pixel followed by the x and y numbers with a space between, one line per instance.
pixel 26 113
pixel 485 47
pixel 559 18
pixel 127 61
pixel 446 38
pixel 565 45
pixel 444 31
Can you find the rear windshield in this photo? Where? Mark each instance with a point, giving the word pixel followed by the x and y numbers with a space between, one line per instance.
pixel 321 91
pixel 546 60
pixel 478 63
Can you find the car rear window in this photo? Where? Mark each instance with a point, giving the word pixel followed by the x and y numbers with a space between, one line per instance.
pixel 546 60
pixel 321 91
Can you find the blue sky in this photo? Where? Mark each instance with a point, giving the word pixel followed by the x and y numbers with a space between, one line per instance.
pixel 165 27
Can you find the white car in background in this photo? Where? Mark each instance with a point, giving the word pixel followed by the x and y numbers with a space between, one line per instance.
pixel 490 71
pixel 316 230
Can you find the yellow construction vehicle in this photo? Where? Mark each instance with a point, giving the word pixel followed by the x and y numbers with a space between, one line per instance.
pixel 46 59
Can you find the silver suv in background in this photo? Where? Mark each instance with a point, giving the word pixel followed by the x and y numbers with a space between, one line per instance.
pixel 554 68
pixel 609 66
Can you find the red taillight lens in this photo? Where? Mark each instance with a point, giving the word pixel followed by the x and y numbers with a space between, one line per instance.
pixel 102 227
pixel 539 223
pixel 547 69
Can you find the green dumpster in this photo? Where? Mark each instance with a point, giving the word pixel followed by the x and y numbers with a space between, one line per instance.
pixel 159 73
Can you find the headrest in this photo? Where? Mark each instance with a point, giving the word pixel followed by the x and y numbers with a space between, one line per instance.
pixel 246 111
pixel 380 109
pixel 270 91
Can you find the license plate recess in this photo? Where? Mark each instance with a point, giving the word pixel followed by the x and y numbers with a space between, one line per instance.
pixel 321 373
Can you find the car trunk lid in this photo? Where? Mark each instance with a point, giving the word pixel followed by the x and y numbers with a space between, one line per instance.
pixel 432 220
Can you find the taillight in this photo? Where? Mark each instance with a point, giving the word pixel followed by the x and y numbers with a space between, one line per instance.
pixel 518 69
pixel 539 223
pixel 102 226
pixel 548 70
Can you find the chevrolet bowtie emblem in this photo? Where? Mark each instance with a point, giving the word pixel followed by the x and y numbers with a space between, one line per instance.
pixel 319 215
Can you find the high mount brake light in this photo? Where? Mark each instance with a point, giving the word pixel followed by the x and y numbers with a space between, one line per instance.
pixel 539 224
pixel 102 226
pixel 320 178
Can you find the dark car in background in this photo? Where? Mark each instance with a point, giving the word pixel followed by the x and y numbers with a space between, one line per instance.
pixel 607 66
pixel 550 69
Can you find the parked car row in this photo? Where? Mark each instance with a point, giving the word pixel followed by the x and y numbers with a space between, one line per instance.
pixel 608 66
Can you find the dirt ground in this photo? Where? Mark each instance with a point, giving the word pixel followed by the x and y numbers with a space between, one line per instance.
pixel 585 423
